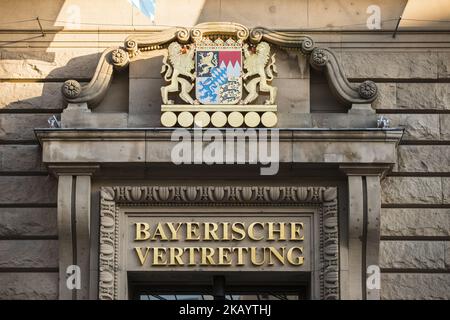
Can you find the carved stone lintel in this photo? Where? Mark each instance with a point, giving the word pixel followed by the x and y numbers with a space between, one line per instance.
pixel 324 198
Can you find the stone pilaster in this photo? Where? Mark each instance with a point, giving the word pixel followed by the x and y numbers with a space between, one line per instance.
pixel 364 207
pixel 74 235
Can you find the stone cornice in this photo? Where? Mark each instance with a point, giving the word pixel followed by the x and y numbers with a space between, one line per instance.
pixel 391 134
pixel 376 147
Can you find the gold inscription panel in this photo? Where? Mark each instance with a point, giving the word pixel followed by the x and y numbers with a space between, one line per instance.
pixel 219 242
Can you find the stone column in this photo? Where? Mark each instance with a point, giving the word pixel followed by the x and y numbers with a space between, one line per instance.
pixel 364 207
pixel 74 206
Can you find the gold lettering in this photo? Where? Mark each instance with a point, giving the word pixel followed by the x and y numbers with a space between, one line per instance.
pixel 296 234
pixel 251 231
pixel 192 255
pixel 211 232
pixel 253 256
pixel 280 231
pixel 207 256
pixel 158 256
pixel 224 258
pixel 277 254
pixel 159 233
pixel 225 226
pixel 239 228
pixel 142 257
pixel 174 231
pixel 175 256
pixel 296 261
pixel 142 231
pixel 192 231
pixel 240 256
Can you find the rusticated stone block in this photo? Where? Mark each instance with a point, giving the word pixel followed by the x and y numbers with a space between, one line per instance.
pixel 446 189
pixel 445 126
pixel 26 96
pixel 422 96
pixel 16 222
pixel 412 254
pixel 21 158
pixel 61 64
pixel 28 286
pixel 447 255
pixel 443 95
pixel 392 65
pixel 415 222
pixel 414 190
pixel 415 286
pixel 21 126
pixel 28 189
pixel 386 96
pixel 28 253
pixel 423 158
pixel 444 65
pixel 417 126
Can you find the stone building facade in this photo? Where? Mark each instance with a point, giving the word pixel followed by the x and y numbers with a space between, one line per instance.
pixel 386 191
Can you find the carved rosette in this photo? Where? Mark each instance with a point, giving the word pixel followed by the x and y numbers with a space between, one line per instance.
pixel 367 89
pixel 120 58
pixel 319 57
pixel 325 198
pixel 71 89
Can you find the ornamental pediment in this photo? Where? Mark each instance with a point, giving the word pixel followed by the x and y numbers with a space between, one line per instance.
pixel 219 74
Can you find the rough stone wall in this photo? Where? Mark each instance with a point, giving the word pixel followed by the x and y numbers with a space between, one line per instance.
pixel 414 82
pixel 415 220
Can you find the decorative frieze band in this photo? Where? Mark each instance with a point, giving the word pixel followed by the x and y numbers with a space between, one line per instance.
pixel 323 198
pixel 219 194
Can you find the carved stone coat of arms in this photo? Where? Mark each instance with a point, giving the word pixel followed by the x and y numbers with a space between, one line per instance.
pixel 216 80
pixel 218 71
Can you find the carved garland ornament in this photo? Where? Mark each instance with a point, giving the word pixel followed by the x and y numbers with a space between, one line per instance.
pixel 325 199
pixel 118 58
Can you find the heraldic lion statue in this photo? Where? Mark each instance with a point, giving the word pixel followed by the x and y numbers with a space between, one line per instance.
pixel 259 62
pixel 181 60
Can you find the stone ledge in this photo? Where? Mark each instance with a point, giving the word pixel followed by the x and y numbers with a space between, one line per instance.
pixel 345 146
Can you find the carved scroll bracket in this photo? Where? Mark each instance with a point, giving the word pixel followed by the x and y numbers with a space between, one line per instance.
pixel 325 60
